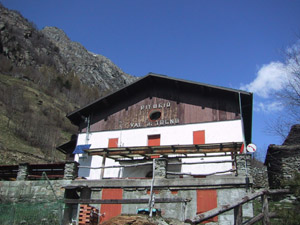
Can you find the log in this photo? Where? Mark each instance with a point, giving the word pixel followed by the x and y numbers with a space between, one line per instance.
pixel 255 219
pixel 150 163
pixel 265 209
pixel 202 162
pixel 117 166
pixel 124 201
pixel 207 174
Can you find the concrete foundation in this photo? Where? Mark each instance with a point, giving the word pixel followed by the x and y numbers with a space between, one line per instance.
pixel 229 188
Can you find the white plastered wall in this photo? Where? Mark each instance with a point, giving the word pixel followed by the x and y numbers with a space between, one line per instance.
pixel 215 132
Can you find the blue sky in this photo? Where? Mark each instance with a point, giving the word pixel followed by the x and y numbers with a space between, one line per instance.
pixel 236 44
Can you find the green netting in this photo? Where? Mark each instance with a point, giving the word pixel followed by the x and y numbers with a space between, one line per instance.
pixel 45 213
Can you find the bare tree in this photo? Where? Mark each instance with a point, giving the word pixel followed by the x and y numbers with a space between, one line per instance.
pixel 289 96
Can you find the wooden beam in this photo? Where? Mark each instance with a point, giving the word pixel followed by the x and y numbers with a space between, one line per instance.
pixel 207 174
pixel 170 149
pixel 259 217
pixel 238 215
pixel 204 162
pixel 255 219
pixel 117 166
pixel 124 201
pixel 265 210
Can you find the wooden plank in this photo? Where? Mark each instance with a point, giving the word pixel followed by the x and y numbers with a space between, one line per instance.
pixel 124 201
pixel 172 149
pixel 255 219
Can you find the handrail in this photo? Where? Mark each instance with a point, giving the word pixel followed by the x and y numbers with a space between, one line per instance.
pixel 237 206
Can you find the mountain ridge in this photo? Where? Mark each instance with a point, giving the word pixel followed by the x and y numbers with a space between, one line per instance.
pixel 43 76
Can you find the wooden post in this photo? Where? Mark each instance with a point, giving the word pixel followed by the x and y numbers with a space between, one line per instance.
pixel 238 215
pixel 265 209
pixel 103 165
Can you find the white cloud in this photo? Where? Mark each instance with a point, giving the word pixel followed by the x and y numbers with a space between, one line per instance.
pixel 270 78
pixel 268 107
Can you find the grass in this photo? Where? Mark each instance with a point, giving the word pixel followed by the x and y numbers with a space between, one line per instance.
pixel 39 103
pixel 30 213
pixel 275 205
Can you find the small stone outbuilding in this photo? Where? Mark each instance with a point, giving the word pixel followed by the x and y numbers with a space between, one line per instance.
pixel 283 160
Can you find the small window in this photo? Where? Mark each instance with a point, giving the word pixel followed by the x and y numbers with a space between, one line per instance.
pixel 154 140
pixel 113 142
pixel 155 115
pixel 199 137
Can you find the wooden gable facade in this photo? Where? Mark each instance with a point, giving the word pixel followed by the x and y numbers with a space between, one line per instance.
pixel 157 100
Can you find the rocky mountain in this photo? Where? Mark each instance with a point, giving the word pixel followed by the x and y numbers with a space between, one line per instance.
pixel 24 45
pixel 92 69
pixel 43 76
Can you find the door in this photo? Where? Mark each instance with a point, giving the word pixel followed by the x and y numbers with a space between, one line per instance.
pixel 110 210
pixel 207 200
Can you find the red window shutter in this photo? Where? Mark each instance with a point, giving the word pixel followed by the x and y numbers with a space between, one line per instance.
pixel 113 142
pixel 154 140
pixel 111 210
pixel 199 137
pixel 207 200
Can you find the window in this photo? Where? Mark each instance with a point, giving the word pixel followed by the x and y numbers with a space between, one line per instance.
pixel 154 140
pixel 113 142
pixel 199 137
pixel 155 115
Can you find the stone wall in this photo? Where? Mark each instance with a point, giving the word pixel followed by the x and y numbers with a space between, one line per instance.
pixel 24 190
pixel 283 162
pixel 260 177
pixel 32 191
pixel 256 170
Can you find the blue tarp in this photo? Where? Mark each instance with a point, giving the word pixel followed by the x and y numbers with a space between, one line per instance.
pixel 79 149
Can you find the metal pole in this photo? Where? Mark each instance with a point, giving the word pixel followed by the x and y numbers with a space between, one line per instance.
pixel 242 121
pixel 151 200
pixel 244 139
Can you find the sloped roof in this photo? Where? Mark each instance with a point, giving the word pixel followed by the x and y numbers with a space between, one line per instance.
pixel 151 79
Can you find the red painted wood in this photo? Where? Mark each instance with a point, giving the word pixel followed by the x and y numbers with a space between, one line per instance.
pixel 154 140
pixel 111 210
pixel 113 142
pixel 199 137
pixel 207 200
